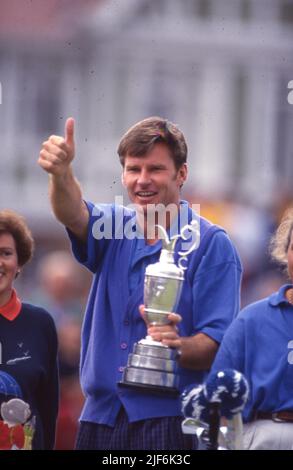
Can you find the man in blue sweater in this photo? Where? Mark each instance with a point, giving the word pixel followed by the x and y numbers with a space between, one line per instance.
pixel 117 250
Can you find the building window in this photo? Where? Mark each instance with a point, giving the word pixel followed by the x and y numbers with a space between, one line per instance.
pixel 37 96
pixel 161 93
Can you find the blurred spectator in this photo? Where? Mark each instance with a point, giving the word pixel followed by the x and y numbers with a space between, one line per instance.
pixel 261 286
pixel 71 398
pixel 248 225
pixel 250 228
pixel 69 348
pixel 63 286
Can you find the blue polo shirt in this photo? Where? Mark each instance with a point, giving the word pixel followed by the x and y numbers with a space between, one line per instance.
pixel 112 323
pixel 259 343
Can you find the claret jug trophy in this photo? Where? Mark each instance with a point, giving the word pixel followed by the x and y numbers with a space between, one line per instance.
pixel 152 365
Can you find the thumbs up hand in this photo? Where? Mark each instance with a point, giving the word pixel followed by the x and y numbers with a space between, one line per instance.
pixel 57 152
pixel 69 134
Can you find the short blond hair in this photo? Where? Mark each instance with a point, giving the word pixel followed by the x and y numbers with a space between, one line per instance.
pixel 281 239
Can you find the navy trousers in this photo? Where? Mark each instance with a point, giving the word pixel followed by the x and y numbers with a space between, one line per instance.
pixel 151 434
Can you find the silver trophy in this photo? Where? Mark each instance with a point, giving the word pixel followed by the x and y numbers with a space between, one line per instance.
pixel 152 365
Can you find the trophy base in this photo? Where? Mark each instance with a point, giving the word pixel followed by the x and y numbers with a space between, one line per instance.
pixel 155 389
pixel 152 367
pixel 148 370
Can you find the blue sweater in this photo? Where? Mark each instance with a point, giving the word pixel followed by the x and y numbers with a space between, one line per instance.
pixel 29 356
pixel 209 301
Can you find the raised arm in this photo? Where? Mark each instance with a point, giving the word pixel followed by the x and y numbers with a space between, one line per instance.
pixel 68 206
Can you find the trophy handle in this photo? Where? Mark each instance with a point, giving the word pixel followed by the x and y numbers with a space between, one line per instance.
pixel 193 229
pixel 168 244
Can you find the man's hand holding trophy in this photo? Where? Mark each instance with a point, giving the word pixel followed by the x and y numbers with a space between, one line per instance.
pixel 152 365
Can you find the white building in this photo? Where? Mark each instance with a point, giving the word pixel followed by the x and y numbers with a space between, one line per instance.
pixel 218 68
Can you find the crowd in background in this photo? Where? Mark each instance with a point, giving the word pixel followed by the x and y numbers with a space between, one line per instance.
pixel 60 285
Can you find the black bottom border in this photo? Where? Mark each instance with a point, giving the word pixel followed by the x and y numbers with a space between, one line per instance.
pixel 138 459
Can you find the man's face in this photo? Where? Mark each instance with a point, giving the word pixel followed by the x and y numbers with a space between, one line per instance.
pixel 153 179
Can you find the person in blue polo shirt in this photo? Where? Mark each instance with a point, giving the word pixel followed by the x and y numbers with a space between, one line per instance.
pixel 115 243
pixel 259 343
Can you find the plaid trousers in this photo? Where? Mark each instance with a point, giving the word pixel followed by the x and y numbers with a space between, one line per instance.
pixel 150 434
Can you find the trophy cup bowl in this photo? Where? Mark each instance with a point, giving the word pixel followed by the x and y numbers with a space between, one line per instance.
pixel 152 365
pixel 161 293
